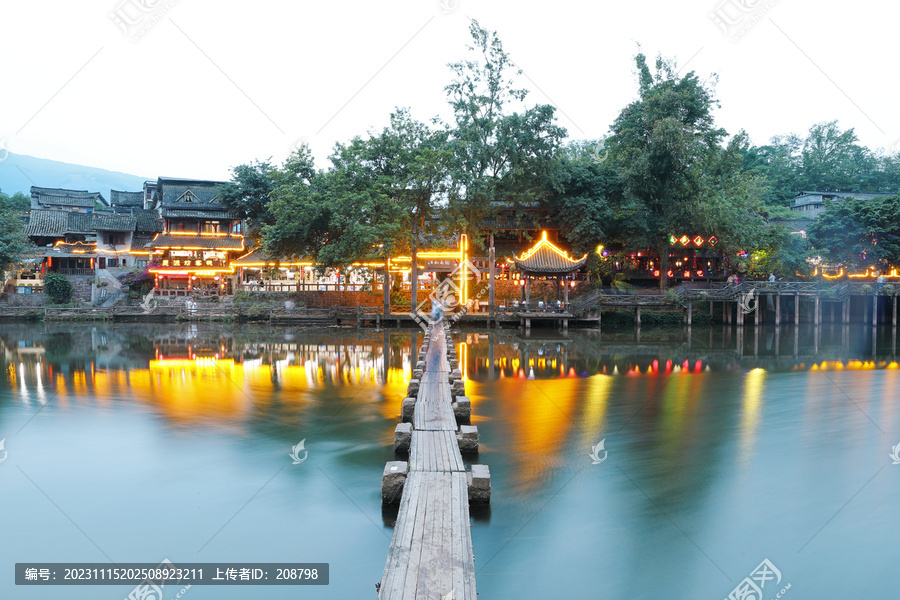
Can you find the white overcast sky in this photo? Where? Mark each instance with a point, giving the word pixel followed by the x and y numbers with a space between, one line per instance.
pixel 213 84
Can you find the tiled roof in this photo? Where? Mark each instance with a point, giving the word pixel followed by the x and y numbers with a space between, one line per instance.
pixel 544 257
pixel 62 197
pixel 138 242
pixel 198 241
pixel 80 223
pixel 215 212
pixel 147 220
pixel 49 223
pixel 257 256
pixel 76 249
pixel 112 222
pixel 118 198
pixel 194 194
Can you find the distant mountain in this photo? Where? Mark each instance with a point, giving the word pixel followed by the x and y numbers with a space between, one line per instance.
pixel 19 172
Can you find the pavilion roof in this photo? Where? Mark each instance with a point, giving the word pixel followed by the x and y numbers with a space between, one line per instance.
pixel 547 258
pixel 258 258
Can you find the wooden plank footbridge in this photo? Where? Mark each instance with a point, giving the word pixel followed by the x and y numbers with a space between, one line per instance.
pixel 431 555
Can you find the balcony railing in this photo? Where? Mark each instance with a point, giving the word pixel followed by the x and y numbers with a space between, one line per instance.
pixel 66 271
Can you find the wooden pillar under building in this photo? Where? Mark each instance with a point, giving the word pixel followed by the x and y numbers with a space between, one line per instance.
pixel 816 310
pixel 739 314
pixel 894 318
pixel 688 313
pixel 845 312
pixel 637 316
pixel 712 310
pixel 875 310
pixel 414 278
pixel 777 309
pixel 386 281
pixel 527 293
pixel 796 309
pixel 491 279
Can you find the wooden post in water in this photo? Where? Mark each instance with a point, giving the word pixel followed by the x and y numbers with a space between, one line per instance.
pixel 875 309
pixel 777 309
pixel 740 314
pixel 796 309
pixel 845 312
pixel 637 316
pixel 894 318
pixel 688 313
pixel 816 310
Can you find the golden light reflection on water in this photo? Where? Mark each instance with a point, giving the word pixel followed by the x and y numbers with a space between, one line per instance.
pixel 596 400
pixel 751 406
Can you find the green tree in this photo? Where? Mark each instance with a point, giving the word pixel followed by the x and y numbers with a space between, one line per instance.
pixel 58 287
pixel 662 145
pixel 248 195
pixel 859 233
pixel 17 202
pixel 503 160
pixel 13 241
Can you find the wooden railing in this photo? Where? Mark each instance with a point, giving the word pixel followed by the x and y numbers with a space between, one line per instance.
pixel 68 271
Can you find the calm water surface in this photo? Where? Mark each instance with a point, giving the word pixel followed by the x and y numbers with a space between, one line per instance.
pixel 135 443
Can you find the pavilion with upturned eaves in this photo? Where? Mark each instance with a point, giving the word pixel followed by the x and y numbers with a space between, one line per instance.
pixel 546 260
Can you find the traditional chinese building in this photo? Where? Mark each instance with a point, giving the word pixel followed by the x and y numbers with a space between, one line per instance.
pixel 545 260
pixel 66 200
pixel 199 240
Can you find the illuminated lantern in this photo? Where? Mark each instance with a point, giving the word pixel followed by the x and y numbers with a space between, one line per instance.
pixel 670 273
pixel 687 274
pixel 685 240
pixel 698 241
pixel 699 273
pixel 672 239
pixel 656 273
pixel 713 240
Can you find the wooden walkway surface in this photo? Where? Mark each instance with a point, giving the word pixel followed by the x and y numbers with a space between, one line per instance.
pixel 431 555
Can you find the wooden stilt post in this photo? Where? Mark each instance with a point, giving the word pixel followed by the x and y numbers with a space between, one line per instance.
pixel 689 314
pixel 816 310
pixel 777 309
pixel 875 310
pixel 796 309
pixel 387 286
pixel 491 278
pixel 894 318
pixel 740 314
pixel 637 316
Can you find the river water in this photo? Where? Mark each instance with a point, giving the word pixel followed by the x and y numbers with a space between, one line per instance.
pixel 720 450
